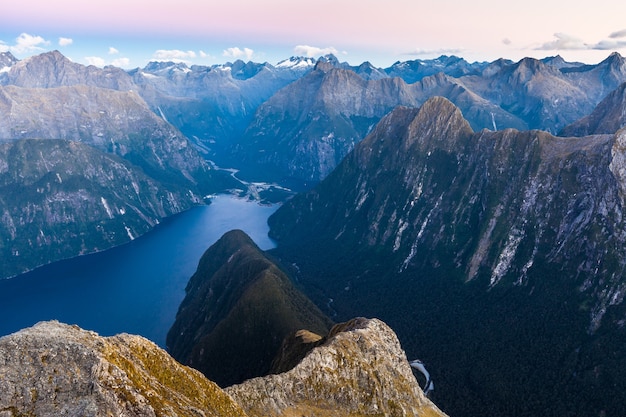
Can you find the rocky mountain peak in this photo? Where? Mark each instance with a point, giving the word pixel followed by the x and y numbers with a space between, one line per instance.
pixel 53 69
pixel 6 60
pixel 238 308
pixel 438 123
pixel 54 369
pixel 615 60
pixel 362 353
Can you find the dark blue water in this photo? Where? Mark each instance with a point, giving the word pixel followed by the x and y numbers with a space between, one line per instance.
pixel 135 288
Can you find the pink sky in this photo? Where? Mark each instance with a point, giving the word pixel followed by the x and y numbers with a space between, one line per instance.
pixel 380 31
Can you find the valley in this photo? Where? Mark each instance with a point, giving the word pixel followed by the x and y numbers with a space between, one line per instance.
pixel 475 208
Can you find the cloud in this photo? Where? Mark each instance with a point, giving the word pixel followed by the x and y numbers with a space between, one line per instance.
pixel 4 47
pixel 563 41
pixel 95 61
pixel 313 51
pixel 65 41
pixel 173 55
pixel 606 45
pixel 237 53
pixel 506 41
pixel 436 52
pixel 26 43
pixel 113 51
pixel 121 62
pixel 618 34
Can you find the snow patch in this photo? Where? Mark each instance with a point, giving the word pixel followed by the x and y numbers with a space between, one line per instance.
pixel 128 231
pixel 106 207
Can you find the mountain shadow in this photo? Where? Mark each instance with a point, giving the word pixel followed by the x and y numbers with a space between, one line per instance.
pixel 238 309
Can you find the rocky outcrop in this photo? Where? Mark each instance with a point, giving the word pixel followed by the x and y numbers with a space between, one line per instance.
pixel 55 369
pixel 360 370
pixel 238 308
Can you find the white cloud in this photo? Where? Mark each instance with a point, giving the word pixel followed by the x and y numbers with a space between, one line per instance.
pixel 121 62
pixel 173 55
pixel 563 41
pixel 113 51
pixel 606 45
pixel 237 53
pixel 65 41
pixel 4 47
pixel 567 42
pixel 26 43
pixel 95 61
pixel 313 51
pixel 618 34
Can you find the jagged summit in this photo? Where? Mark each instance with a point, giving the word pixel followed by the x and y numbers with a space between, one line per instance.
pixel 6 60
pixel 53 69
pixel 297 62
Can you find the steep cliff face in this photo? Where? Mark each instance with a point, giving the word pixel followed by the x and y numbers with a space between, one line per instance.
pixel 60 199
pixel 504 226
pixel 607 118
pixel 112 121
pixel 139 168
pixel 55 369
pixel 360 370
pixel 238 309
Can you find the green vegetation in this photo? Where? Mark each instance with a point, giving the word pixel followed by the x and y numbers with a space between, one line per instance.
pixel 238 309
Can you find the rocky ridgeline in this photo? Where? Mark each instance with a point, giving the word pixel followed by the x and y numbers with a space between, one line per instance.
pixel 54 369
pixel 360 370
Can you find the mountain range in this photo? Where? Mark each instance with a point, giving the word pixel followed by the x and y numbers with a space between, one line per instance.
pixel 478 247
pixel 477 208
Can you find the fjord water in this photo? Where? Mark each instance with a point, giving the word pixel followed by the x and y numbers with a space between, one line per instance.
pixel 135 288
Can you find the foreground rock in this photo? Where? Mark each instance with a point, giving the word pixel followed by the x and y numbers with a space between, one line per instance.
pixel 55 369
pixel 360 370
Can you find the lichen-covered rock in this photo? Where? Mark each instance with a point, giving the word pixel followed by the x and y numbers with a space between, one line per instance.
pixel 54 369
pixel 360 370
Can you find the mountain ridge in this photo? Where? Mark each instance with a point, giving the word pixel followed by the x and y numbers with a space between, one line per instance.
pixel 504 226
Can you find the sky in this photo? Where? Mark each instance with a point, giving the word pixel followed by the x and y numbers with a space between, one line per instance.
pixel 130 33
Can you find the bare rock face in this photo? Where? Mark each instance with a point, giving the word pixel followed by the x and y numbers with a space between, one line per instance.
pixel 360 370
pixel 54 369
